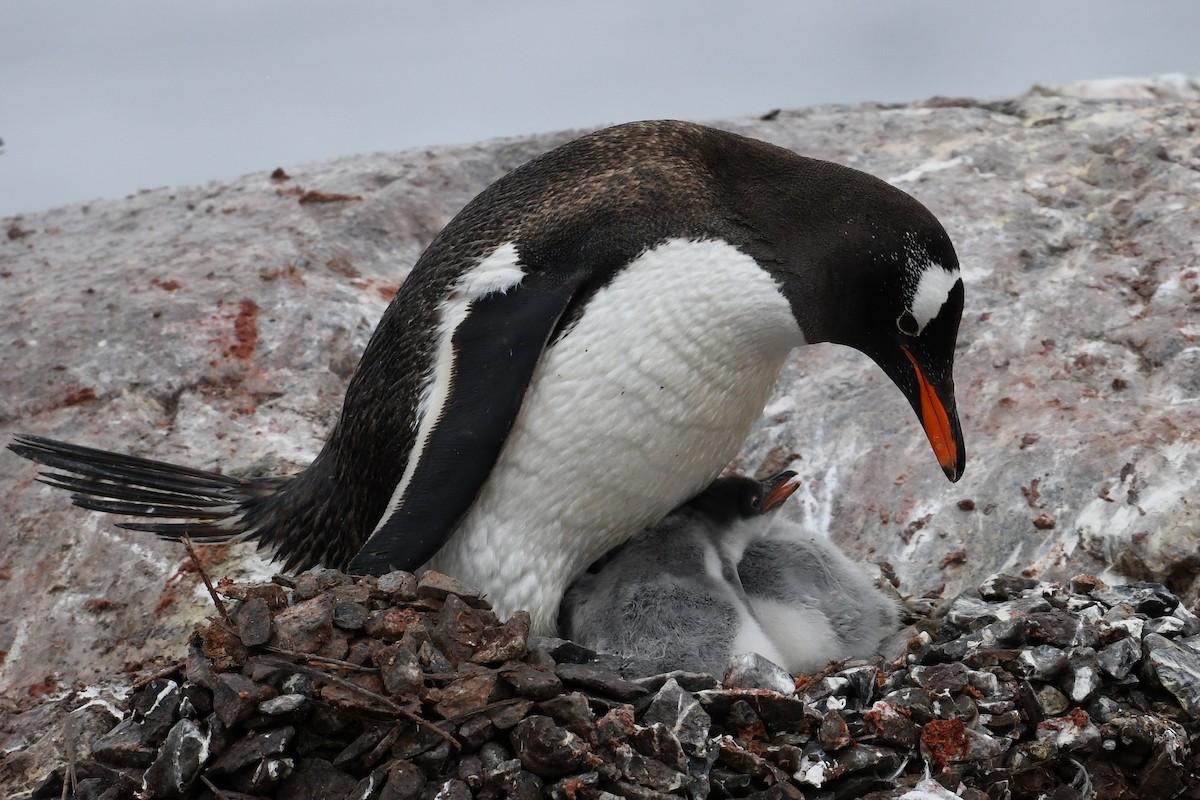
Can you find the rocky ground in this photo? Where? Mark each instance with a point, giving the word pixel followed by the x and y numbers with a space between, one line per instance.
pixel 325 686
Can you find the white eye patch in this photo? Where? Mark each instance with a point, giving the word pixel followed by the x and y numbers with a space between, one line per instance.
pixel 933 290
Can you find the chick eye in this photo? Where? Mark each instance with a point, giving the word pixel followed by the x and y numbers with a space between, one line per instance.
pixel 907 324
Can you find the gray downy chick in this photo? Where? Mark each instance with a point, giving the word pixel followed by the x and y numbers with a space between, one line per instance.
pixel 671 598
pixel 813 602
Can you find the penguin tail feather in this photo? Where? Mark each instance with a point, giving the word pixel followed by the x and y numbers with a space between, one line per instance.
pixel 208 507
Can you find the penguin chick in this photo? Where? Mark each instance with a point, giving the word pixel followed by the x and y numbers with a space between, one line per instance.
pixel 811 600
pixel 670 598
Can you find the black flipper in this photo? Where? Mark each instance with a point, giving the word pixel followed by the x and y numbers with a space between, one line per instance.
pixel 496 349
pixel 213 507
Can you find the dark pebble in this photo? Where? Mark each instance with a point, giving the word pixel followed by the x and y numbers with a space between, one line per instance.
pixel 546 749
pixel 254 622
pixel 600 681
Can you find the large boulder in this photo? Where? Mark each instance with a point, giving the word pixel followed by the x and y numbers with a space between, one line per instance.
pixel 217 326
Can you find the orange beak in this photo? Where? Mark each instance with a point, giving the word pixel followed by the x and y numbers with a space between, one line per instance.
pixel 785 483
pixel 937 424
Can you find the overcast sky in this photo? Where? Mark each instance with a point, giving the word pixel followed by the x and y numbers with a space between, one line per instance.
pixel 101 98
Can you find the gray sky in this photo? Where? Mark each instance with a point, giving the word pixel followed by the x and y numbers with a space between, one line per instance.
pixel 101 98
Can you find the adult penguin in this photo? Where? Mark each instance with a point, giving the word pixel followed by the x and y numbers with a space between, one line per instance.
pixel 583 348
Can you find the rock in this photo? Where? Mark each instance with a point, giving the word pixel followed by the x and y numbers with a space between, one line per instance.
pixel 400 669
pixel 941 677
pixel 435 584
pixel 1083 679
pixel 179 760
pixel 573 713
pixel 235 698
pixel 1177 669
pixel 314 777
pixel 349 616
pixel 398 586
pixel 602 681
pixel 467 694
pixel 505 642
pixel 253 750
pixel 1043 662
pixel 127 744
pixel 536 684
pixel 678 710
pixel 752 671
pixel 254 622
pixel 305 627
pixel 546 749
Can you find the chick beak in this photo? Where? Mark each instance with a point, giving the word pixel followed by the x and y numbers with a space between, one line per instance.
pixel 779 488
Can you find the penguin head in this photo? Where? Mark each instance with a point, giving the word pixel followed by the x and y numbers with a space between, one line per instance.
pixel 735 497
pixel 862 264
pixel 901 305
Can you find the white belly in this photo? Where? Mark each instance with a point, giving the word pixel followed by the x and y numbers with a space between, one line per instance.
pixel 631 413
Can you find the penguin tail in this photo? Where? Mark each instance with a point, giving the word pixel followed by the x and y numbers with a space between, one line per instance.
pixel 205 506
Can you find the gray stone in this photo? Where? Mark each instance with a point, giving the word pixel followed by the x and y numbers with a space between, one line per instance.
pixel 941 677
pixel 1083 678
pixel 1043 662
pixel 536 684
pixel 254 622
pixel 281 705
pixel 1119 658
pixel 572 711
pixel 1051 701
pixel 253 749
pixel 1178 670
pixel 235 698
pixel 179 760
pixel 127 744
pixel 1168 626
pixel 1151 599
pixel 677 709
pixel 349 616
pixel 400 670
pixel 1004 587
pixel 600 681
pixel 752 671
pixel 546 749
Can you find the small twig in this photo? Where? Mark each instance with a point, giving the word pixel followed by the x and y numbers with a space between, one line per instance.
pixel 217 793
pixel 164 672
pixel 69 747
pixel 187 543
pixel 332 662
pixel 375 697
pixel 484 709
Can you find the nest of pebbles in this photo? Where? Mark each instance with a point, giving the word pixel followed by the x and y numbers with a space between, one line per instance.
pixel 327 686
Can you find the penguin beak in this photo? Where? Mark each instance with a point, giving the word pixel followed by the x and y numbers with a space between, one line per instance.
pixel 934 404
pixel 779 488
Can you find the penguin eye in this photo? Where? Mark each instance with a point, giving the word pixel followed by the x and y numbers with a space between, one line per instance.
pixel 907 324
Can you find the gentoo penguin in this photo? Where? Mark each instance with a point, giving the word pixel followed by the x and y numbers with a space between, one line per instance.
pixel 631 295
pixel 670 598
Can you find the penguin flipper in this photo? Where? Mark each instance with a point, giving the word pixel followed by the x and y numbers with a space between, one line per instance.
pixel 495 350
